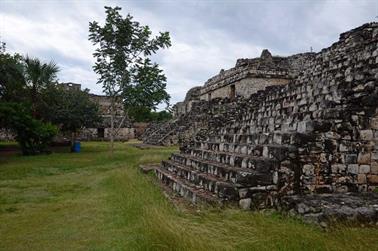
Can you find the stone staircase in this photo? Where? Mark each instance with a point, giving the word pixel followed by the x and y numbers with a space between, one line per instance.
pixel 159 134
pixel 228 166
pixel 296 146
pixel 202 115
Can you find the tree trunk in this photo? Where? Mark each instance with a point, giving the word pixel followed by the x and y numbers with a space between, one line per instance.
pixel 112 126
pixel 34 100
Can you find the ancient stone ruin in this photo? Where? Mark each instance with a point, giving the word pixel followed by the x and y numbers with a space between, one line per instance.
pixel 298 133
pixel 125 129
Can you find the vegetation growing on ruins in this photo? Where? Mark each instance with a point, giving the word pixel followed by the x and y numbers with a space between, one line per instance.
pixel 126 72
pixel 89 201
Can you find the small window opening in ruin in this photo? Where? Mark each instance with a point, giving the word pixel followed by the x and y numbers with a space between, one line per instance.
pixel 209 96
pixel 100 132
pixel 232 92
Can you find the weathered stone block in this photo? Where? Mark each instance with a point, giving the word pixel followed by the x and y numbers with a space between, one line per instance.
pixel 364 169
pixel 308 170
pixel 343 147
pixel 350 159
pixel 364 158
pixel 374 123
pixel 366 134
pixel 342 189
pixel 305 126
pixel 374 167
pixel 338 168
pixel 374 155
pixel 372 179
pixel 353 169
pixel 245 204
pixel 323 158
pixel 361 178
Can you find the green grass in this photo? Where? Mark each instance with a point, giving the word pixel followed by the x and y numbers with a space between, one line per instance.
pixel 91 201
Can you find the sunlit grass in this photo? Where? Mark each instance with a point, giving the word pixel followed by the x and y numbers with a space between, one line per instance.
pixel 92 201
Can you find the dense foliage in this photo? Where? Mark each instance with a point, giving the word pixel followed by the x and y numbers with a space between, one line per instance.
pixel 123 50
pixel 34 107
pixel 143 114
pixel 70 109
pixel 33 135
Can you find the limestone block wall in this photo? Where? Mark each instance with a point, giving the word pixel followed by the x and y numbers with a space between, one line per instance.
pixel 244 87
pixel 329 113
pixel 241 77
pixel 251 75
pixel 316 134
pixel 178 109
pixel 121 134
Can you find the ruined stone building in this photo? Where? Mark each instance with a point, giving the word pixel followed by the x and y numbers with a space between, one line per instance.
pixel 251 75
pixel 124 127
pixel 298 132
pixel 246 78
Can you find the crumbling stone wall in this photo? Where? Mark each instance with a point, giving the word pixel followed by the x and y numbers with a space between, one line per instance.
pixel 124 128
pixel 244 87
pixel 317 134
pixel 251 75
pixel 185 125
pixel 192 96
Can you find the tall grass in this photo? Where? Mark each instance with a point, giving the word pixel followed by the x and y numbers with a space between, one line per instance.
pixel 90 201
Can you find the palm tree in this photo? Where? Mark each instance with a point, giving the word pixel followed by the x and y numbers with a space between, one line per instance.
pixel 38 76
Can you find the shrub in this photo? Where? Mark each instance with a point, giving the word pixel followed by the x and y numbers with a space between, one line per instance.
pixel 33 135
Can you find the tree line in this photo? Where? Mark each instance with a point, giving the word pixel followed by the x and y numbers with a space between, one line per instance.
pixel 35 107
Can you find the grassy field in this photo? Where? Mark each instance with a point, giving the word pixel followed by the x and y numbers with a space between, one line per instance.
pixel 89 201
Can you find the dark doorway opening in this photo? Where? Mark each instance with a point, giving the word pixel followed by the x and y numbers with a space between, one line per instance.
pixel 209 96
pixel 100 132
pixel 232 92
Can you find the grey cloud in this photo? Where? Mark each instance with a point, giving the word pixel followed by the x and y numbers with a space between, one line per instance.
pixel 206 35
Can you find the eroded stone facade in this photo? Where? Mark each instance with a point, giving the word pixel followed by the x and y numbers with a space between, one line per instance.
pixel 318 133
pixel 124 128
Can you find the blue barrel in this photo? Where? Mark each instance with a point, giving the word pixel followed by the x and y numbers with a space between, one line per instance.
pixel 76 147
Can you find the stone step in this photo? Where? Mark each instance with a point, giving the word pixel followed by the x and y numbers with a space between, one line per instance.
pixel 242 176
pixel 291 138
pixel 186 189
pixel 260 164
pixel 209 182
pixel 279 152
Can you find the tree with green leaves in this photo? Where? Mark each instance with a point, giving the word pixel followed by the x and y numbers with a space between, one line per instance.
pixel 34 107
pixel 143 114
pixel 12 81
pixel 33 136
pixel 126 72
pixel 71 110
pixel 38 76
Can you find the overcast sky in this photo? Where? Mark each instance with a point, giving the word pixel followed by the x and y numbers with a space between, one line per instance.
pixel 206 35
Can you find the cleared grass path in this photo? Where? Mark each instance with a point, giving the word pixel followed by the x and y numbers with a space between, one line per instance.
pixel 89 201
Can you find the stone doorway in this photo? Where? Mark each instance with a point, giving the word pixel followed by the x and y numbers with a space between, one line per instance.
pixel 232 92
pixel 100 133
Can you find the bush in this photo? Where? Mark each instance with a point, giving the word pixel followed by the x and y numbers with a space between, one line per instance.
pixel 33 135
